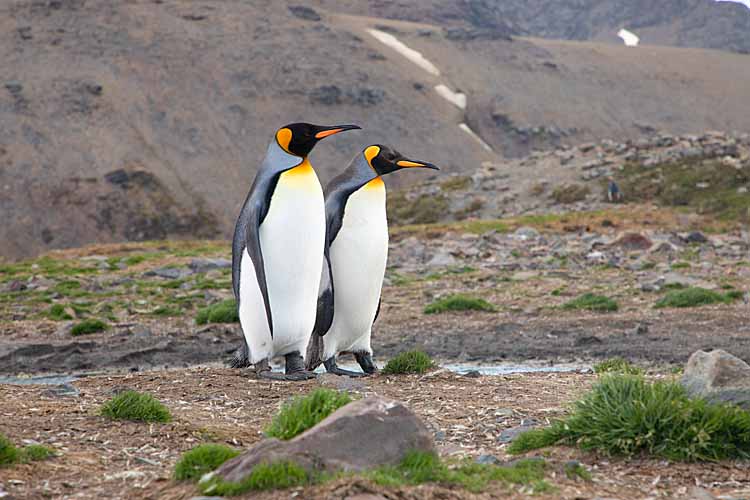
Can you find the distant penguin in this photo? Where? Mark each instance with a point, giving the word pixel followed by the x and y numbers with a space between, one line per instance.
pixel 277 253
pixel 355 258
pixel 614 194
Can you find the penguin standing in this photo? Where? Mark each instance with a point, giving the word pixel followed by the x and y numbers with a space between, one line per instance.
pixel 355 258
pixel 277 253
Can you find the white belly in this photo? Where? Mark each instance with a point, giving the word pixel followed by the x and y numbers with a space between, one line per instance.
pixel 358 259
pixel 291 238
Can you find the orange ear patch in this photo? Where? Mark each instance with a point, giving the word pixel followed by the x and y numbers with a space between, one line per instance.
pixel 284 137
pixel 371 152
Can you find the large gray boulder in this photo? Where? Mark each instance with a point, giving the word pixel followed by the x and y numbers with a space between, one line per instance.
pixel 362 435
pixel 718 376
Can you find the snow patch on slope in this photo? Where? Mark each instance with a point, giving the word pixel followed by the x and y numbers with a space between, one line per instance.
pixel 414 56
pixel 630 38
pixel 458 99
pixel 476 137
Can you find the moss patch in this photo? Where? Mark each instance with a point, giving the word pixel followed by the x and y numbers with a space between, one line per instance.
pixel 8 452
pixel 409 362
pixel 136 406
pixel 222 312
pixel 694 297
pixel 459 302
pixel 303 412
pixel 88 326
pixel 592 302
pixel 570 193
pixel 35 453
pixel 57 313
pixel 202 459
pixel 617 365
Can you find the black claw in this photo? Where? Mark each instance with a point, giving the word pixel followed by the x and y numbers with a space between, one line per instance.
pixel 332 367
pixel 365 361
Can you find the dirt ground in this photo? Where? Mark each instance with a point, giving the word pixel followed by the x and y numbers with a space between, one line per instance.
pixel 97 458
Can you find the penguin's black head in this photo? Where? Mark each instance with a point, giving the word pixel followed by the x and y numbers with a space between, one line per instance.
pixel 385 160
pixel 300 138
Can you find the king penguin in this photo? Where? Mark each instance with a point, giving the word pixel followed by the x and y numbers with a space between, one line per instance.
pixel 277 253
pixel 354 260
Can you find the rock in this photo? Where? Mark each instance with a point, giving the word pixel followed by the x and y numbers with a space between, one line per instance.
pixel 171 273
pixel 61 391
pixel 472 374
pixel 526 233
pixel 327 95
pixel 441 259
pixel 14 87
pixel 304 12
pixel 335 444
pixel 205 265
pixel 508 435
pixel 487 460
pixel 696 237
pixel 718 376
pixel 632 241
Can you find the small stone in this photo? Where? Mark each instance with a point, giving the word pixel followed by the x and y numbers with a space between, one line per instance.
pixel 508 435
pixel 526 233
pixel 205 265
pixel 696 237
pixel 14 87
pixel 632 241
pixel 172 273
pixel 304 12
pixel 487 460
pixel 472 374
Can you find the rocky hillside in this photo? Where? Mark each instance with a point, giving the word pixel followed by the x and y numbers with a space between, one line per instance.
pixel 139 120
pixel 706 174
pixel 680 23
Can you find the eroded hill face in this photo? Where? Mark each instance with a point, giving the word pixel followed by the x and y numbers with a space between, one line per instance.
pixel 140 120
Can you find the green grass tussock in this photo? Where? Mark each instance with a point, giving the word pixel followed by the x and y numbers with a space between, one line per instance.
pixel 695 297
pixel 221 312
pixel 57 312
pixel 273 476
pixel 459 302
pixel 409 362
pixel 617 365
pixel 88 326
pixel 303 412
pixel 8 452
pixel 35 453
pixel 202 459
pixel 626 415
pixel 135 406
pixel 592 302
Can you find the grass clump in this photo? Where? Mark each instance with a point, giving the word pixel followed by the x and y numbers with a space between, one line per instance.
pixel 693 297
pixel 408 362
pixel 627 415
pixel 88 326
pixel 8 452
pixel 136 406
pixel 303 412
pixel 459 302
pixel 221 312
pixel 35 453
pixel 570 193
pixel 574 469
pixel 422 467
pixel 57 313
pixel 424 209
pixel 273 476
pixel 617 365
pixel 592 302
pixel 202 459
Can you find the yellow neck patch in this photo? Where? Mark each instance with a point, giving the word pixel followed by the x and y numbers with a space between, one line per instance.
pixel 300 177
pixel 375 184
pixel 284 137
pixel 370 153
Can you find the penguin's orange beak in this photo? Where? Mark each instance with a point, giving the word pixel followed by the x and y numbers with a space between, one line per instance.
pixel 417 164
pixel 329 131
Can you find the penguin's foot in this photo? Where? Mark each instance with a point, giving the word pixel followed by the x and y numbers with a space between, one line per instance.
pixel 332 367
pixel 295 367
pixel 263 370
pixel 365 361
pixel 241 357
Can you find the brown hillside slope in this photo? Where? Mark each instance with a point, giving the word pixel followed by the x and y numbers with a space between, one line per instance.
pixel 139 120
